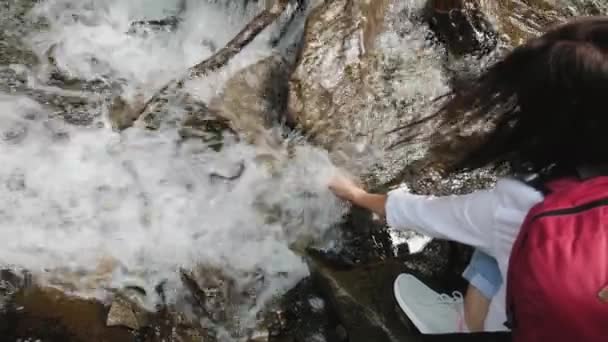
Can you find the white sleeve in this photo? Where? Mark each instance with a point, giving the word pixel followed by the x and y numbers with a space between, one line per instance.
pixel 468 219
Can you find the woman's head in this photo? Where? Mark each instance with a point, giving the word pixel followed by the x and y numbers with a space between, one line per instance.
pixel 546 103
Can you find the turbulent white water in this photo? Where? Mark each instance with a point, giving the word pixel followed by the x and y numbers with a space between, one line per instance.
pixel 88 208
pixel 131 208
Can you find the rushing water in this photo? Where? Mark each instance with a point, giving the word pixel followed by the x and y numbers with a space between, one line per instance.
pixel 76 199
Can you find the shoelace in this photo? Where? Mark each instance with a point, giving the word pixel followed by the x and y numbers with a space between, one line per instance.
pixel 455 299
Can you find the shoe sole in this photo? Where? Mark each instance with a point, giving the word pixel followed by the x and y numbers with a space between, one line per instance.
pixel 408 284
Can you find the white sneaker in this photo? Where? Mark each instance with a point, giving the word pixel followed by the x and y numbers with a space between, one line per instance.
pixel 431 313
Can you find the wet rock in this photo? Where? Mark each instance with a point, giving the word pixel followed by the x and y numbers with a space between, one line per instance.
pixel 327 88
pixel 476 25
pixel 122 113
pixel 13 27
pixel 348 90
pixel 462 26
pixel 154 25
pixel 586 7
pixel 362 300
pixel 127 313
pixel 255 98
pixel 306 317
pixel 51 315
pixel 211 290
pixel 292 22
pixel 11 282
pixel 216 297
pixel 518 21
pixel 260 336
pixel 252 101
pixel 341 333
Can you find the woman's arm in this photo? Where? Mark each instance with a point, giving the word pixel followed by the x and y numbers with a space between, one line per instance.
pixel 373 202
pixel 349 191
pixel 468 219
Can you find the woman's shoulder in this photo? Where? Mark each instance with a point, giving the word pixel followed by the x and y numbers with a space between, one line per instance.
pixel 517 192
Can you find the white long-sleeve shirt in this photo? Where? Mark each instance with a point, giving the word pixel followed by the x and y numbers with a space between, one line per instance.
pixel 487 219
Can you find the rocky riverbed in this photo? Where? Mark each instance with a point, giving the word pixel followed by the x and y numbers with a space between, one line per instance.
pixel 204 216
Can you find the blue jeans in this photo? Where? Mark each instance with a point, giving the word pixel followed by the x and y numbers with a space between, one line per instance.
pixel 484 274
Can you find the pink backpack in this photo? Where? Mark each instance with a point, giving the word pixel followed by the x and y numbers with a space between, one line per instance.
pixel 557 284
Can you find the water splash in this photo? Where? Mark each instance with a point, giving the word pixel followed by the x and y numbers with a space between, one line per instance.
pixel 86 208
pixel 75 196
pixel 95 40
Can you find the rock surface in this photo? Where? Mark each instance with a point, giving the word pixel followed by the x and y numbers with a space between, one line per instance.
pixel 518 21
pixel 462 26
pixel 50 315
pixel 362 301
pixel 127 313
pixel 307 317
pixel 255 98
pixel 356 80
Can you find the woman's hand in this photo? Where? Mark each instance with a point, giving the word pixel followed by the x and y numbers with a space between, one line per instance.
pixel 345 188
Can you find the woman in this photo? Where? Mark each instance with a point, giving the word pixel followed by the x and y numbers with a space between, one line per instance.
pixel 545 104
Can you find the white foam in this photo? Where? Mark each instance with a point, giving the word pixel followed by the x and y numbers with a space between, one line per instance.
pixel 75 197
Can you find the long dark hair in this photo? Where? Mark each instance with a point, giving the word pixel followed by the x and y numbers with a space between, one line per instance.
pixel 545 103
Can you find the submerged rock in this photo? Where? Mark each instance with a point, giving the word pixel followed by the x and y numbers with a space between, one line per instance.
pixel 362 300
pixel 125 312
pixel 252 101
pixel 468 26
pixel 518 21
pixel 50 315
pixel 334 89
pixel 462 26
pixel 255 98
pixel 11 282
pixel 307 317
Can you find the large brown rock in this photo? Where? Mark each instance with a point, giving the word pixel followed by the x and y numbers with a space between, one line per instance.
pixel 363 301
pixel 249 103
pixel 51 315
pixel 519 21
pixel 461 26
pixel 362 72
pixel 255 98
pixel 33 312
pixel 472 25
